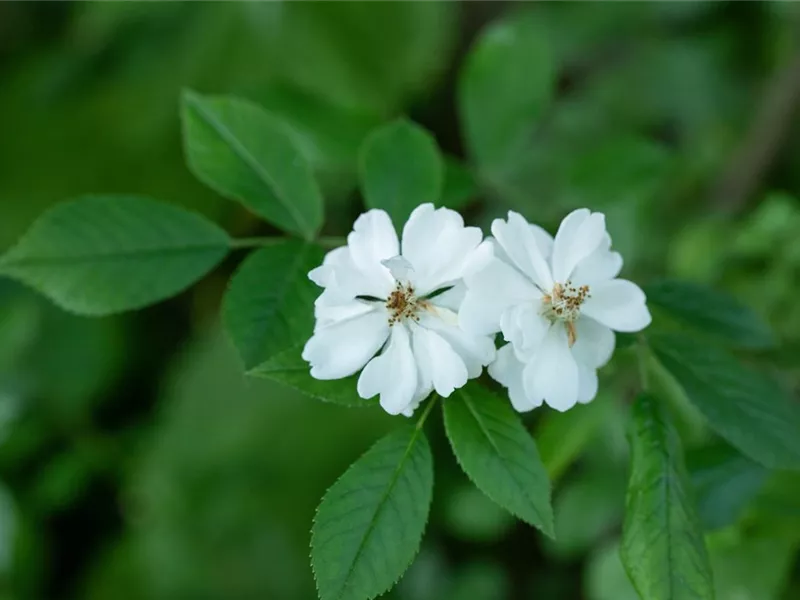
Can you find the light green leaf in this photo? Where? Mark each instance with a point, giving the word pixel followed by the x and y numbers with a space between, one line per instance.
pixel 99 255
pixel 505 86
pixel 745 407
pixel 370 523
pixel 662 541
pixel 400 169
pixel 269 306
pixel 246 154
pixel 291 370
pixel 711 311
pixel 498 454
pixel 725 482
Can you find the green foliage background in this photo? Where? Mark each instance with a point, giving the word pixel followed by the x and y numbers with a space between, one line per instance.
pixel 136 460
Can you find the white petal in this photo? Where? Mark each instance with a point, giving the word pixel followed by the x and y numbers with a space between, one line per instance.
pixel 342 348
pixel 507 370
pixel 452 298
pixel 438 362
pixel 519 243
pixel 525 328
pixel 544 240
pixel 372 240
pixel 490 291
pixel 343 280
pixel 399 267
pixel 595 342
pixel 436 242
pixel 393 374
pixel 476 351
pixel 600 265
pixel 552 374
pixel 618 304
pixel 587 384
pixel 327 314
pixel 580 233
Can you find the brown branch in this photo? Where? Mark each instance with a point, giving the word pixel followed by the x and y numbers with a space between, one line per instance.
pixel 763 140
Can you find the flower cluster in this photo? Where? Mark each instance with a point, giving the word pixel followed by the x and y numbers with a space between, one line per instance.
pixel 421 316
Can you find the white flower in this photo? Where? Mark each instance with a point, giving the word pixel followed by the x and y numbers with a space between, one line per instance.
pixel 378 296
pixel 556 302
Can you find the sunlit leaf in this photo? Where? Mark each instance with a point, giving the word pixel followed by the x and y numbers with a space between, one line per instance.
pixel 498 454
pixel 246 154
pixel 104 254
pixel 370 523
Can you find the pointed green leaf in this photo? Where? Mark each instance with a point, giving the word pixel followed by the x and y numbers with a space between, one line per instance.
pixel 662 541
pixel 505 86
pixel 745 407
pixel 269 305
pixel 291 370
pixel 99 255
pixel 711 311
pixel 370 523
pixel 400 169
pixel 498 454
pixel 244 153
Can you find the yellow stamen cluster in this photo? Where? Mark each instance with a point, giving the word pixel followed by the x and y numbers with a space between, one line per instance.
pixel 403 304
pixel 564 304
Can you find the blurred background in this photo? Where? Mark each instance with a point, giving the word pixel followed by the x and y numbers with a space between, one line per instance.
pixel 137 463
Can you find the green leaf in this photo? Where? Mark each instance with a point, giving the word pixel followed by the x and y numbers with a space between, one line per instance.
pixel 246 154
pixel 711 311
pixel 400 169
pixel 498 454
pixel 662 542
pixel 562 436
pixel 745 407
pixel 269 306
pixel 460 187
pixel 725 482
pixel 99 255
pixel 370 523
pixel 505 86
pixel 291 370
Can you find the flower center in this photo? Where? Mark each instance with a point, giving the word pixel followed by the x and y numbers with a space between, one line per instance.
pixel 563 305
pixel 403 304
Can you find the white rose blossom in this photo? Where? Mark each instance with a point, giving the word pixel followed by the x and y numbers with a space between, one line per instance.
pixel 384 307
pixel 557 303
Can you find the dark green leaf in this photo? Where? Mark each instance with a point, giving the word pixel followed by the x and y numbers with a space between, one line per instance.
pixel 290 369
pixel 370 523
pixel 711 311
pixel 725 482
pixel 498 454
pixel 269 306
pixel 504 88
pixel 246 154
pixel 99 255
pixel 460 187
pixel 662 540
pixel 746 407
pixel 401 168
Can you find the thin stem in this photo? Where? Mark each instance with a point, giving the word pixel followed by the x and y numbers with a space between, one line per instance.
pixel 428 409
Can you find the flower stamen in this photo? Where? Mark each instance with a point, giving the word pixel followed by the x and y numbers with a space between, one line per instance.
pixel 563 305
pixel 403 304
